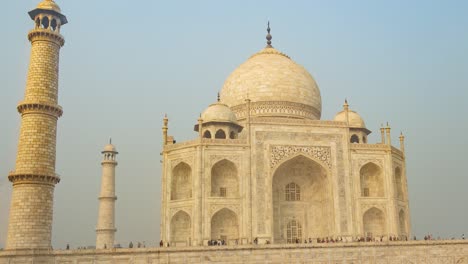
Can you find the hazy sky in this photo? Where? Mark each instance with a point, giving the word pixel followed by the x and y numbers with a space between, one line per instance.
pixel 126 63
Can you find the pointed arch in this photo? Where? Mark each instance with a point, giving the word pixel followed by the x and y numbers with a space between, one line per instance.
pixel 224 179
pixel 180 228
pixel 225 225
pixel 181 182
pixel 374 224
pixel 402 223
pixel 307 180
pixel 371 178
pixel 398 183
pixel 45 22
pixel 207 134
pixel 354 139
pixel 220 134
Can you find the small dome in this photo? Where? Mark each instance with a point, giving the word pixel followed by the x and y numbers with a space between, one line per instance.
pixel 49 5
pixel 109 148
pixel 219 112
pixel 271 76
pixel 355 120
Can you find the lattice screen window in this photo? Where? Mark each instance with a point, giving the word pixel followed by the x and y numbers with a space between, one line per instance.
pixel 222 192
pixel 292 192
pixel 294 231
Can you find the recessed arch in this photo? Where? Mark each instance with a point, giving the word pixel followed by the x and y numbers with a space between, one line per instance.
pixel 371 179
pixel 181 182
pixel 314 211
pixel 374 223
pixel 224 179
pixel 398 183
pixel 232 135
pixel 354 139
pixel 207 134
pixel 402 223
pixel 225 225
pixel 220 134
pixel 180 228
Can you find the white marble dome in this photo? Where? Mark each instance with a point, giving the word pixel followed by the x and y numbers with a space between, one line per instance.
pixel 271 76
pixel 355 120
pixel 219 112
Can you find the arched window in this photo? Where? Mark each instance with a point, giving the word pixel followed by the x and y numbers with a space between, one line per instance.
pixel 354 139
pixel 292 192
pixel 232 135
pixel 45 22
pixel 53 24
pixel 207 134
pixel 220 134
pixel 294 232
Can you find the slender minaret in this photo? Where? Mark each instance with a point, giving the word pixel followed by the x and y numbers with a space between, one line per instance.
pixel 105 230
pixel 34 177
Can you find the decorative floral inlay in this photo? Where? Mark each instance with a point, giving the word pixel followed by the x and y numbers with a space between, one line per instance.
pixel 279 153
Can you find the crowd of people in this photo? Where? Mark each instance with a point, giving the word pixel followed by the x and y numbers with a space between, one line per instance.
pixel 222 242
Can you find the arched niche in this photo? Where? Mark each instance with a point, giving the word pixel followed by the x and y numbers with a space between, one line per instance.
pixel 312 206
pixel 354 139
pixel 181 182
pixel 372 184
pixel 398 183
pixel 402 224
pixel 374 224
pixel 224 179
pixel 180 228
pixel 207 134
pixel 225 225
pixel 233 135
pixel 220 134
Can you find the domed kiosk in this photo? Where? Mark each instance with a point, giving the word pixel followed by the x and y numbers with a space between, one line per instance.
pixel 219 122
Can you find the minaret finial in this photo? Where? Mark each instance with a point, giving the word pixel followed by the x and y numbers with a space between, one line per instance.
pixel 268 37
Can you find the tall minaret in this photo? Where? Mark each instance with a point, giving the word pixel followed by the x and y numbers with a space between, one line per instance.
pixel 34 178
pixel 105 230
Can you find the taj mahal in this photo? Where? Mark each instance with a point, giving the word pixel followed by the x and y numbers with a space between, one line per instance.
pixel 263 173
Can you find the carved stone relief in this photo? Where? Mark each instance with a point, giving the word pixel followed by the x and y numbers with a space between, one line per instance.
pixel 280 153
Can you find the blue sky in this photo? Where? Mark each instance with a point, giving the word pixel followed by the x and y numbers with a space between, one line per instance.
pixel 126 63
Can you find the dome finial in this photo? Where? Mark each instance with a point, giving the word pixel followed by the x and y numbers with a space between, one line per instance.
pixel 219 98
pixel 110 140
pixel 268 37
